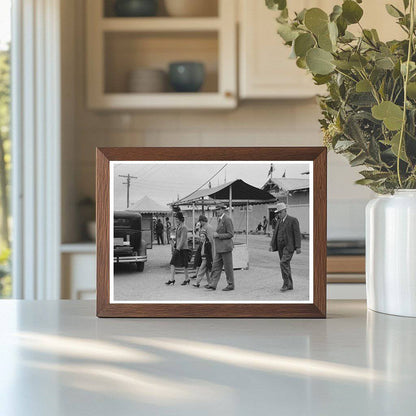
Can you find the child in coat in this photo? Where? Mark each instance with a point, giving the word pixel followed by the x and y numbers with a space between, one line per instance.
pixel 203 258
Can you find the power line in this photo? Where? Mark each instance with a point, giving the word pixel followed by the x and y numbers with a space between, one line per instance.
pixel 212 177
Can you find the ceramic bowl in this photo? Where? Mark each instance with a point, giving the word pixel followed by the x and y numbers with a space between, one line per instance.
pixel 147 80
pixel 186 76
pixel 135 8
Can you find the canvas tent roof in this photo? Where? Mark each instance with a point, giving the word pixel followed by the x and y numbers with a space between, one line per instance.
pixel 241 193
pixel 288 184
pixel 147 205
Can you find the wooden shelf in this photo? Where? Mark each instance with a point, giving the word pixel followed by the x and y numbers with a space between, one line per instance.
pixel 346 264
pixel 116 46
pixel 163 101
pixel 159 24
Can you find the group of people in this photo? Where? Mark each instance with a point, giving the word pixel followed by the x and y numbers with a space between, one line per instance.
pixel 263 225
pixel 215 248
pixel 159 230
pixel 214 251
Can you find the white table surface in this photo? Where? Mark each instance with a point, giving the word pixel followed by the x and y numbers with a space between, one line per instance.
pixel 57 358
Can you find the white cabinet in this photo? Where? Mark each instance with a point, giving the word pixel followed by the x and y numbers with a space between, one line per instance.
pixel 116 46
pixel 78 271
pixel 265 70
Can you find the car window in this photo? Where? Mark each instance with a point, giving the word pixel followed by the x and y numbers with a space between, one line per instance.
pixel 121 222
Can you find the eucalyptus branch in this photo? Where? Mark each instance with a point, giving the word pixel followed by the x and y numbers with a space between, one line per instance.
pixel 373 89
pixel 346 75
pixel 406 80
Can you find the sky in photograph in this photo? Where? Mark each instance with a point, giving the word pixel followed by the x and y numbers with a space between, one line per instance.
pixel 164 183
pixel 5 21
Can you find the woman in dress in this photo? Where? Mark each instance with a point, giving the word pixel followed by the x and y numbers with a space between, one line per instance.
pixel 181 252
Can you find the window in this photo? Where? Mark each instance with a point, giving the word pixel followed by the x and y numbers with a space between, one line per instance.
pixel 5 145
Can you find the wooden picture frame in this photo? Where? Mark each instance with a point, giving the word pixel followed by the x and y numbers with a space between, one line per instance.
pixel 316 308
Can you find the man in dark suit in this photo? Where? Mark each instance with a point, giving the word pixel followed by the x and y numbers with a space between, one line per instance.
pixel 223 238
pixel 286 240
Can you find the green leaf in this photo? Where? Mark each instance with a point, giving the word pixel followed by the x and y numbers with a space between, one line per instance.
pixel 343 65
pixel 374 175
pixel 303 43
pixel 390 113
pixel 358 160
pixel 276 4
pixel 286 32
pixel 342 25
pixel 321 79
pixel 351 11
pixel 363 86
pixel 368 36
pixel 393 11
pixel 385 63
pixel 347 37
pixel 358 61
pixel 364 181
pixel 343 145
pixel 316 20
pixel 319 61
pixel 412 67
pixel 411 90
pixel 325 43
pixel 300 17
pixel 374 150
pixel 333 32
pixel 406 4
pixel 394 145
pixel 375 35
pixel 336 12
pixel 301 63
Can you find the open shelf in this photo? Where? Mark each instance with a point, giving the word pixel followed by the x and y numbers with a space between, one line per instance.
pixel 116 46
pixel 127 51
pixel 211 9
pixel 160 24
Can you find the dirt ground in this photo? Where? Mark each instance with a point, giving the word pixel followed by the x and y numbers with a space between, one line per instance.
pixel 261 282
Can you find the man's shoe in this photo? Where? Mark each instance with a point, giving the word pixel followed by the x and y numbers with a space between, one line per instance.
pixel 210 288
pixel 226 289
pixel 284 288
pixel 290 288
pixel 207 286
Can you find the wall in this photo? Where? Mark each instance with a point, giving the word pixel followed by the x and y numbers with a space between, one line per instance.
pixel 256 123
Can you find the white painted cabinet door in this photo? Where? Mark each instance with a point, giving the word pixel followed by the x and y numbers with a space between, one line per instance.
pixel 265 68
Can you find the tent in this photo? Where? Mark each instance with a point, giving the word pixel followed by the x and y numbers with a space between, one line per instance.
pixel 147 205
pixel 237 193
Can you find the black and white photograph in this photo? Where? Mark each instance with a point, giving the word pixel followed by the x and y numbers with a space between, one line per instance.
pixel 202 232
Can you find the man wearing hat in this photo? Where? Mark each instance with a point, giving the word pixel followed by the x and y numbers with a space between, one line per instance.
pixel 286 240
pixel 223 240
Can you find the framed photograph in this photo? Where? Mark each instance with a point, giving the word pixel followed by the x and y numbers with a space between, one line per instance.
pixel 211 232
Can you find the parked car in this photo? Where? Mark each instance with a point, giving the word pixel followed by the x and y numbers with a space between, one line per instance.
pixel 129 246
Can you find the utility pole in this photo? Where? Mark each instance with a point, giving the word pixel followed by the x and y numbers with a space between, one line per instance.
pixel 128 182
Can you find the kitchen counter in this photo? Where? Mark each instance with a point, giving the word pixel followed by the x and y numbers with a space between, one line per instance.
pixel 57 358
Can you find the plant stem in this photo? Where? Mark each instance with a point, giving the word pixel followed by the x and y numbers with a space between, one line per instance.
pixel 346 75
pixel 406 80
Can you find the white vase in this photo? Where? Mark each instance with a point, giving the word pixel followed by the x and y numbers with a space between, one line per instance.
pixel 391 253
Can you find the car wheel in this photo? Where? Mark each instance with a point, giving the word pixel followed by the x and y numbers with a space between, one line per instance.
pixel 140 266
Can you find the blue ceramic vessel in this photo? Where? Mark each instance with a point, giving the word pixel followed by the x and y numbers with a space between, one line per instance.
pixel 186 76
pixel 135 8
